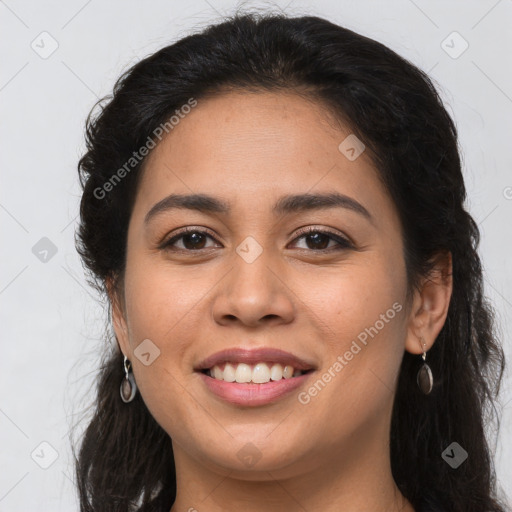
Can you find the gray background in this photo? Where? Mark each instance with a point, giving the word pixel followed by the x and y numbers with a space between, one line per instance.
pixel 52 322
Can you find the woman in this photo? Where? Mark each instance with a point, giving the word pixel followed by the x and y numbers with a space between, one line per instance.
pixel 274 208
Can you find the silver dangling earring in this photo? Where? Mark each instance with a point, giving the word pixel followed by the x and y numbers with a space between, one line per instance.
pixel 425 379
pixel 128 387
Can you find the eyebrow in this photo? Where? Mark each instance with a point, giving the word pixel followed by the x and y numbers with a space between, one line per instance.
pixel 287 204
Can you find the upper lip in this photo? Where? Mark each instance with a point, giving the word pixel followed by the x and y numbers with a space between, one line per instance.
pixel 252 356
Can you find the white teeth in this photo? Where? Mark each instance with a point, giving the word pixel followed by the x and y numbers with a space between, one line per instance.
pixel 217 373
pixel 276 372
pixel 243 373
pixel 229 373
pixel 260 373
pixel 288 372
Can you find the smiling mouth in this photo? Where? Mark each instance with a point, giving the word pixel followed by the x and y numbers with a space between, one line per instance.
pixel 260 373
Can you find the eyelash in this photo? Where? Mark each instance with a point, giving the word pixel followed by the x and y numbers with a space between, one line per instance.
pixel 343 243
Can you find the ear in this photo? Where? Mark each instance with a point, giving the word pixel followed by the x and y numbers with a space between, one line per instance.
pixel 118 317
pixel 430 305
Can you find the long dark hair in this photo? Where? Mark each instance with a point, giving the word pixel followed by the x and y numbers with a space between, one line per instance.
pixel 125 459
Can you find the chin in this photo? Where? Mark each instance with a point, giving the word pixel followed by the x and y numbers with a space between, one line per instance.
pixel 250 462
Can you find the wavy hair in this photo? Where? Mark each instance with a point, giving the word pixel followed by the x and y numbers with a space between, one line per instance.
pixel 125 459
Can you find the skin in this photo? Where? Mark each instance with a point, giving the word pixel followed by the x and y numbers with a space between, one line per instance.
pixel 332 453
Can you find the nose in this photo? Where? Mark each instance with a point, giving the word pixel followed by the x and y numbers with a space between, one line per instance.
pixel 254 293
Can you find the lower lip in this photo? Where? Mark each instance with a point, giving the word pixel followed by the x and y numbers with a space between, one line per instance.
pixel 252 395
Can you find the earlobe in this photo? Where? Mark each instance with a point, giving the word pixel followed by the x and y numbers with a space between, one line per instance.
pixel 430 305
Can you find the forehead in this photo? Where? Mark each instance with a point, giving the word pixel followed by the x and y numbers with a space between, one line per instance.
pixel 256 147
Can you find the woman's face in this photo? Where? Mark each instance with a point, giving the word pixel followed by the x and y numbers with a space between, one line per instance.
pixel 249 279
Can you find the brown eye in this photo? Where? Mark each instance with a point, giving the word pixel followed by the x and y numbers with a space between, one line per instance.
pixel 194 240
pixel 318 240
pixel 191 240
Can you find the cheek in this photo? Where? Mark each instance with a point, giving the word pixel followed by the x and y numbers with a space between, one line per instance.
pixel 164 307
pixel 361 322
pixel 161 301
pixel 352 298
